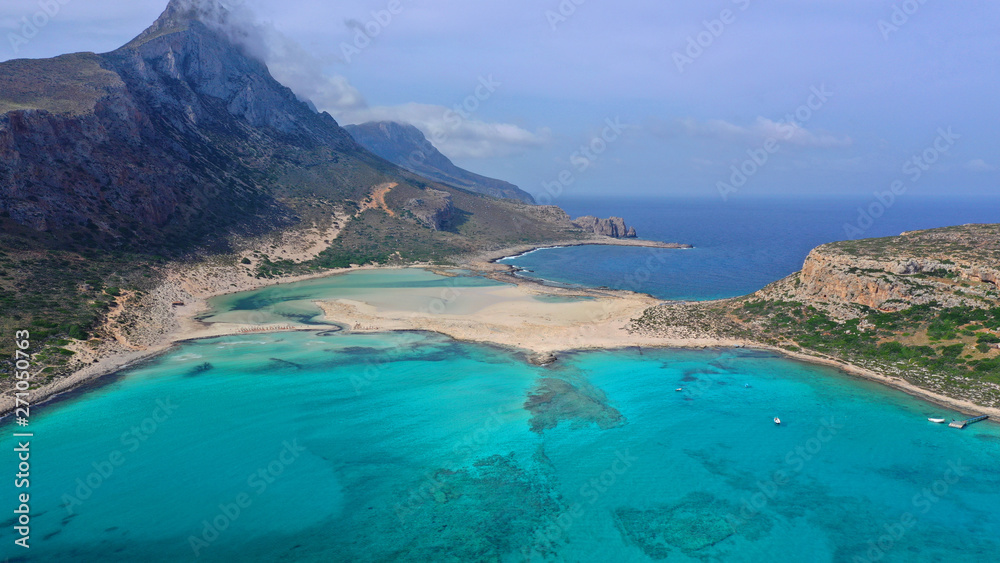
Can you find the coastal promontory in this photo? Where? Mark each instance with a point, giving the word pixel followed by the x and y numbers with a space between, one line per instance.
pixel 922 308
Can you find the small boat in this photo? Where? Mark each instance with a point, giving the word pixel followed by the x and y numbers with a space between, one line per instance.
pixel 747 386
pixel 679 389
pixel 936 420
pixel 777 421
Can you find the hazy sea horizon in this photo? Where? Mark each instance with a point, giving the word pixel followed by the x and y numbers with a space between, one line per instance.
pixel 740 246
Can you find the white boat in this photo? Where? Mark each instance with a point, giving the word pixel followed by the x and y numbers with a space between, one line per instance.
pixel 679 389
pixel 777 420
pixel 936 420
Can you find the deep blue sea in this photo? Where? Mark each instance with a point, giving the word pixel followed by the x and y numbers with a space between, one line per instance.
pixel 740 245
pixel 332 446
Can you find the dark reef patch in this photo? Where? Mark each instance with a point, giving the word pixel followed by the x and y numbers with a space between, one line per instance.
pixel 493 510
pixel 556 400
pixel 696 523
pixel 199 369
pixel 285 363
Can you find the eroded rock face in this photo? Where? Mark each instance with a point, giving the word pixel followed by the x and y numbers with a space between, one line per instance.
pixel 953 267
pixel 435 209
pixel 613 227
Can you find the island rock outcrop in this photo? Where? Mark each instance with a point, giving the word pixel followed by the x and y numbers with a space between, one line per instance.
pixel 613 227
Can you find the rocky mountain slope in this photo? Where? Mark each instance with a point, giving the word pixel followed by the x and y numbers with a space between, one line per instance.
pixel 180 145
pixel 181 137
pixel 407 147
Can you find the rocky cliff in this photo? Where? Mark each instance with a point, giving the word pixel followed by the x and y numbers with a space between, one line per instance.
pixel 953 266
pixel 407 147
pixel 614 227
pixel 434 209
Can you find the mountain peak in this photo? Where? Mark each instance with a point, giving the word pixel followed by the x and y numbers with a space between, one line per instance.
pixel 180 14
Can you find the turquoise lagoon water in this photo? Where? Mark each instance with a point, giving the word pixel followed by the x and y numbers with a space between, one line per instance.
pixel 414 447
pixel 413 289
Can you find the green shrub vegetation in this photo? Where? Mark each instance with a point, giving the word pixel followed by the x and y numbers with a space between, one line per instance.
pixel 882 339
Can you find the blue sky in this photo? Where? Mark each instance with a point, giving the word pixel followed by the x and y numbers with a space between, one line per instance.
pixel 723 98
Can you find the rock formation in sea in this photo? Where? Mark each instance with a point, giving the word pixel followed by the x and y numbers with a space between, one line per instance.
pixel 613 227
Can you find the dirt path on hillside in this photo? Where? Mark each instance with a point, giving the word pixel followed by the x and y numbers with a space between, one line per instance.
pixel 377 200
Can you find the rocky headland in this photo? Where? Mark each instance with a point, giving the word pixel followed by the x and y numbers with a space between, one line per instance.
pixel 613 227
pixel 920 311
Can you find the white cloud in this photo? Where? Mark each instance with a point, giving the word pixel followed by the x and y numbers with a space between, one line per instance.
pixel 453 134
pixel 294 67
pixel 289 62
pixel 759 131
pixel 979 165
pixel 456 133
